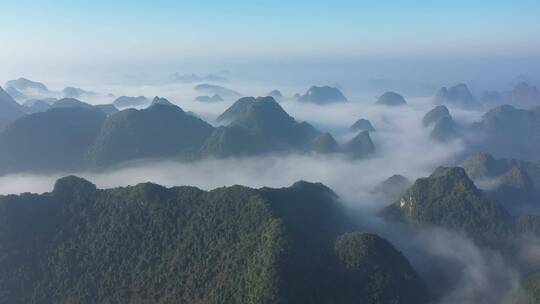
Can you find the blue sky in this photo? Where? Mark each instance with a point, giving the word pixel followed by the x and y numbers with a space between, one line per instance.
pixel 161 32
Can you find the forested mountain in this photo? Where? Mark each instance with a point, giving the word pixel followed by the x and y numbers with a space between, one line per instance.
pixel 160 131
pixel 448 198
pixel 150 244
pixel 258 125
pixel 49 141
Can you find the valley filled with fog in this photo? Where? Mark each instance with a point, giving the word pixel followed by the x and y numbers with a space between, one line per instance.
pixel 368 164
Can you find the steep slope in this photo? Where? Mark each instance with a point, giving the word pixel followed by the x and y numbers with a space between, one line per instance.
pixel 236 109
pixel 435 114
pixel 449 199
pixel 10 110
pixel 72 92
pixel 148 243
pixel 325 144
pixel 445 129
pixel 523 95
pixel 362 125
pixel 51 140
pixel 156 132
pixel 458 95
pixel 259 126
pixel 360 146
pixel 276 94
pixel 15 94
pixel 213 98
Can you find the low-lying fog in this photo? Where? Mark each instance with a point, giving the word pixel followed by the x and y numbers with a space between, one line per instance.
pixel 473 275
pixel 402 147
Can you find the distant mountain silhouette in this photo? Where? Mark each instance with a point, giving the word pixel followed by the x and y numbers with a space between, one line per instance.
pixel 325 144
pixel 360 146
pixel 71 92
pixel 213 98
pixel 507 132
pixel 276 94
pixel 523 95
pixel 362 125
pixel 514 183
pixel 23 84
pixel 391 99
pixel 212 89
pixel 443 126
pixel 322 95
pixel 15 94
pixel 192 78
pixel 458 95
pixel 127 101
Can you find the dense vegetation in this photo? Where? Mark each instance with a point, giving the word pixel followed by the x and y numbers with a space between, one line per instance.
pixel 448 198
pixel 53 140
pixel 150 244
pixel 258 125
pixel 159 131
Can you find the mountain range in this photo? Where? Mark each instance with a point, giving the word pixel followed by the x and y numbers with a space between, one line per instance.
pixel 147 243
pixel 163 130
pixel 448 198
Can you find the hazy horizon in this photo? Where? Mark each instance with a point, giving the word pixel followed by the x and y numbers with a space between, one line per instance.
pixel 73 43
